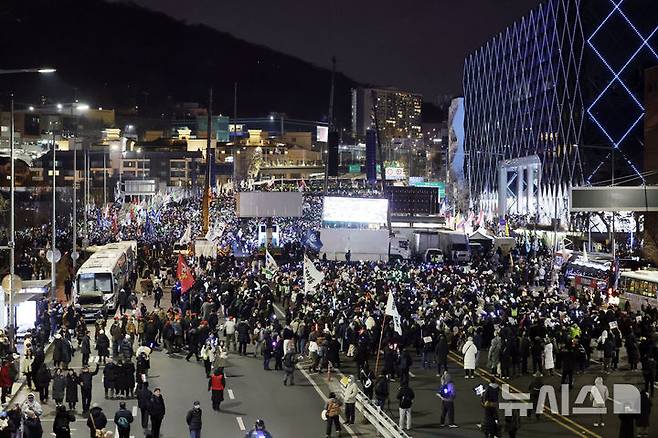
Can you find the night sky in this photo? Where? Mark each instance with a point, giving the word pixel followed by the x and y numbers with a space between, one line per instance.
pixel 410 44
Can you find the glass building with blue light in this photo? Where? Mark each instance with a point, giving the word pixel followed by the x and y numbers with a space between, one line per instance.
pixel 563 84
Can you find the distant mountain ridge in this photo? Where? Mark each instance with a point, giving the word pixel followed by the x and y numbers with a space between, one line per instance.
pixel 121 55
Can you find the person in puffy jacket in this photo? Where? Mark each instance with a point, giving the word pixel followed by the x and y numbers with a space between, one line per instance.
pixel 123 418
pixel 157 411
pixel 193 420
pixel 216 384
pixel 333 413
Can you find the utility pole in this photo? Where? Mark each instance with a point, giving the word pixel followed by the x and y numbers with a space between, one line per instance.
pixel 86 199
pixel 206 190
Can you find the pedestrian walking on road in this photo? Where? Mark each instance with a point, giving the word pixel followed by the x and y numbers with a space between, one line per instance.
pixel 441 354
pixel 85 349
pixel 645 415
pixel 349 398
pixel 42 381
pixel 405 399
pixel 216 385
pixel 32 425
pixel 86 378
pixel 123 418
pixel 447 394
pixel 144 395
pixel 332 409
pixel 258 431
pixel 289 362
pixel 102 346
pixel 193 420
pixel 470 351
pixel 72 382
pixel 62 423
pixel 59 386
pixel 381 391
pixel 599 395
pixel 96 421
pixel 109 378
pixel 157 411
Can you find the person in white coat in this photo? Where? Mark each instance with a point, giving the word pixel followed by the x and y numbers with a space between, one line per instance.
pixel 470 350
pixel 549 358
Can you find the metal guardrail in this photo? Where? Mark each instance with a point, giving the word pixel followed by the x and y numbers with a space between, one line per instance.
pixel 385 425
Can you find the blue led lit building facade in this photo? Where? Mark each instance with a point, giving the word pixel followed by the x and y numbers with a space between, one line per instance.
pixel 563 84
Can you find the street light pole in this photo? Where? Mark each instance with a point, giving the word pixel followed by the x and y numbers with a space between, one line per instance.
pixel 86 200
pixel 12 229
pixel 12 190
pixel 104 180
pixel 75 204
pixel 53 247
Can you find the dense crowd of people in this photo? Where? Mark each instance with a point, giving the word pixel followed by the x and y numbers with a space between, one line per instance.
pixel 509 314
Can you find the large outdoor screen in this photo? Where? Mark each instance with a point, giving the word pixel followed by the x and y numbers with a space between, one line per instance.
pixel 356 210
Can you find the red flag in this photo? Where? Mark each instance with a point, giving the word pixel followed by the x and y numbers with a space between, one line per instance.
pixel 184 274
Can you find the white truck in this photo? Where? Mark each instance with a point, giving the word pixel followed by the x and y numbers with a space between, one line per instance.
pixel 425 247
pixel 454 245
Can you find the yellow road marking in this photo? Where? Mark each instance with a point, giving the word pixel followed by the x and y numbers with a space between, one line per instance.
pixel 556 417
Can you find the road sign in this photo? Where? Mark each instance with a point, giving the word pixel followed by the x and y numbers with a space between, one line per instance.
pixel 75 255
pixel 57 255
pixel 354 168
pixel 440 185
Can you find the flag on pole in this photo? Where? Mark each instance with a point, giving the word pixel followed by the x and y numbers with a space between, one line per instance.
pixel 187 236
pixel 184 274
pixel 312 277
pixel 270 264
pixel 392 311
pixel 585 257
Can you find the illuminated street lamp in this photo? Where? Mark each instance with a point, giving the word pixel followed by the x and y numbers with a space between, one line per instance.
pixel 12 190
pixel 42 70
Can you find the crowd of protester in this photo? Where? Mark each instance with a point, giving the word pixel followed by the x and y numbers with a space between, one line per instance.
pixel 508 314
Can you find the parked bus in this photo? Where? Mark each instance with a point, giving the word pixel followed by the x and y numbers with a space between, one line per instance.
pixel 101 277
pixel 639 286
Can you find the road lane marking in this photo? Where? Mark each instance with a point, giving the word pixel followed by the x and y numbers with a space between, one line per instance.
pixel 315 385
pixel 134 410
pixel 240 423
pixel 556 417
pixel 230 394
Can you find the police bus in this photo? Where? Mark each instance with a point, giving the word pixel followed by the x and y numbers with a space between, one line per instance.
pixel 638 287
pixel 101 277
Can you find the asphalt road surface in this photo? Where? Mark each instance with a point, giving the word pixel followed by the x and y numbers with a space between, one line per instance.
pixel 294 412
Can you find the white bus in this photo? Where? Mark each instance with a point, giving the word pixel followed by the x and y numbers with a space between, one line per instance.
pixel 640 286
pixel 101 277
